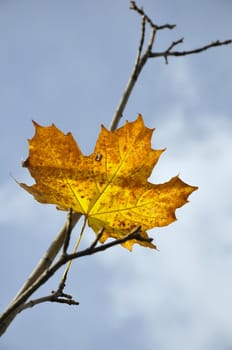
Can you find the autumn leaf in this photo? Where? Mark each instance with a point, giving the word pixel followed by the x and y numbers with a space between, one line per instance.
pixel 109 186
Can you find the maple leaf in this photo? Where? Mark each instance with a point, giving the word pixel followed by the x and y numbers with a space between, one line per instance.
pixel 109 186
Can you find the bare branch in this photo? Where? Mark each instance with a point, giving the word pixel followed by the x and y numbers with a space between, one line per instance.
pixel 68 230
pixel 166 26
pixel 39 270
pixel 140 49
pixel 169 51
pixel 135 234
pixel 99 235
pixel 18 304
pixel 64 299
pixel 175 43
pixel 50 254
pixel 142 59
pixel 140 11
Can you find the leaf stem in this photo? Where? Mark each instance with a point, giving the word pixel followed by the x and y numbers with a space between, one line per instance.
pixel 64 276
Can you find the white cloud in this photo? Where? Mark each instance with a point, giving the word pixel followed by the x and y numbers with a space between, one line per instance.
pixel 182 82
pixel 185 289
pixel 16 206
pixel 23 213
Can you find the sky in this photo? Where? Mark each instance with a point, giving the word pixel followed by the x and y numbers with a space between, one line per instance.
pixel 67 63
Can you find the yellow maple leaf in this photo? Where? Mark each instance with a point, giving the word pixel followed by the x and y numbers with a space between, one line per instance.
pixel 109 186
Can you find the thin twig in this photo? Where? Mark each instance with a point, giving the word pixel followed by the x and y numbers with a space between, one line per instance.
pixel 50 254
pixel 140 49
pixel 68 231
pixel 61 297
pixel 139 62
pixel 50 298
pixel 138 66
pixel 142 59
pixel 166 26
pixel 140 11
pixel 98 237
pixel 168 52
pixel 175 43
pixel 135 234
pixel 39 270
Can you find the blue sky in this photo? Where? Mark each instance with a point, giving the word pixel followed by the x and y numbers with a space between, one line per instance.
pixel 67 62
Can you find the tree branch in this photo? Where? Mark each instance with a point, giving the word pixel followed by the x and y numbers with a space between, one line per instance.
pixel 44 270
pixel 50 254
pixel 18 304
pixel 169 51
pixel 141 59
pixel 98 237
pixel 63 299
pixel 44 263
pixel 69 227
pixel 140 11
